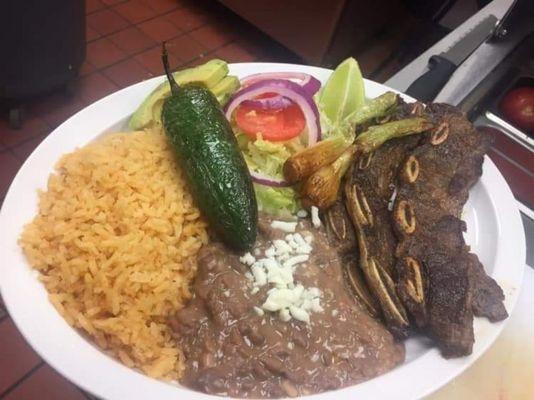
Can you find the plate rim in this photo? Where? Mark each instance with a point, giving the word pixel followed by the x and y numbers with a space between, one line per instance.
pixel 417 387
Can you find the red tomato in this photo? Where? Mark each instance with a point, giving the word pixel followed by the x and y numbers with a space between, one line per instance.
pixel 518 108
pixel 273 125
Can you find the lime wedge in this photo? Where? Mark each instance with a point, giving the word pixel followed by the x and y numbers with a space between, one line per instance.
pixel 343 93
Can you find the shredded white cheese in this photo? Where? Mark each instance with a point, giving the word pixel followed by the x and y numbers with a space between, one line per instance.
pixel 260 277
pixel 276 268
pixel 284 226
pixel 316 221
pixel 284 315
pixel 302 213
pixel 392 199
pixel 247 259
pixel 299 313
pixel 296 260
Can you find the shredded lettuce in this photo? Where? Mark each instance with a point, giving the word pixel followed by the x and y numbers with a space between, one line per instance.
pixel 265 156
pixel 268 158
pixel 281 202
pixel 339 97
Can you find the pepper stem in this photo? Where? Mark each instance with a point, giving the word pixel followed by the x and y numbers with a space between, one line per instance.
pixel 170 78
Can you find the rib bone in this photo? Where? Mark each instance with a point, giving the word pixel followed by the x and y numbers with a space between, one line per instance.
pixel 414 282
pixel 387 296
pixel 357 282
pixel 405 217
pixel 365 160
pixel 358 206
pixel 440 134
pixel 411 169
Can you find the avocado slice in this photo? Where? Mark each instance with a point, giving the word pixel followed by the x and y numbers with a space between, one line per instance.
pixel 149 111
pixel 225 88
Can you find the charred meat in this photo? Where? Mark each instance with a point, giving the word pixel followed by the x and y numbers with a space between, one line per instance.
pixel 438 277
pixel 488 296
pixel 369 186
pixel 341 236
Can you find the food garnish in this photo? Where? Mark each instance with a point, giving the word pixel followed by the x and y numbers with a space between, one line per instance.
pixel 310 84
pixel 284 225
pixel 281 258
pixel 213 74
pixel 375 108
pixel 225 88
pixel 377 135
pixel 321 188
pixel 311 159
pixel 276 124
pixel 208 151
pixel 343 93
pixel 288 90
pixel 316 221
pixel 341 101
pixel 274 117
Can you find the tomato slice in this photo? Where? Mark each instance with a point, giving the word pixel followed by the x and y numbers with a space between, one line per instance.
pixel 273 125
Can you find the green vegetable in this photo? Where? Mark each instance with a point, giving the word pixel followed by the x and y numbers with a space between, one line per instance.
pixel 268 158
pixel 265 156
pixel 343 93
pixel 375 108
pixel 225 88
pixel 149 112
pixel 216 170
pixel 377 135
pixel 281 202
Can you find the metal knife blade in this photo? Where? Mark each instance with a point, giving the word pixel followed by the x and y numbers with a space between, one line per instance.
pixel 517 24
pixel 442 66
pixel 468 43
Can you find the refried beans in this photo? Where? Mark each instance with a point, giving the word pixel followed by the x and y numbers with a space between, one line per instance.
pixel 231 350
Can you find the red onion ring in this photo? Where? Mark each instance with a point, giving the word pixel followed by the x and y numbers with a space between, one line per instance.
pixel 309 83
pixel 269 103
pixel 290 90
pixel 267 180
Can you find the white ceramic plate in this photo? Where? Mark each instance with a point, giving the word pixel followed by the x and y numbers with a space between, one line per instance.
pixel 494 232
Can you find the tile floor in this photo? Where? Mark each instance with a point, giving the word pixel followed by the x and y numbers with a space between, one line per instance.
pixel 123 47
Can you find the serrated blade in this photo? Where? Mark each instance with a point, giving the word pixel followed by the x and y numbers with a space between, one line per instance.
pixel 468 43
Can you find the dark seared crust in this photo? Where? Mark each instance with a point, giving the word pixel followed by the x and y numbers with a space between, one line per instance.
pixel 450 317
pixel 341 236
pixel 372 180
pixel 427 222
pixel 488 296
pixel 446 310
pixel 339 229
